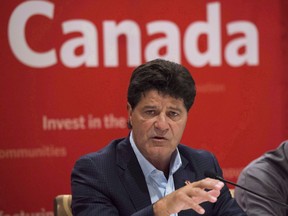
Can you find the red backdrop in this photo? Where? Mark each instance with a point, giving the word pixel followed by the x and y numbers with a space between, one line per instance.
pixel 65 67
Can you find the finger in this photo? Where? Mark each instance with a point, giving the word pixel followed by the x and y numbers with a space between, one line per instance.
pixel 199 195
pixel 193 203
pixel 214 193
pixel 208 183
pixel 198 190
pixel 177 201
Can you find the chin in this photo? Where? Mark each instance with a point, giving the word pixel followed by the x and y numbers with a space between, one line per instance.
pixel 160 151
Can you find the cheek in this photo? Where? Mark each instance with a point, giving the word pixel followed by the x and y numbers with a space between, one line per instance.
pixel 179 129
pixel 141 122
pixel 144 127
pixel 140 125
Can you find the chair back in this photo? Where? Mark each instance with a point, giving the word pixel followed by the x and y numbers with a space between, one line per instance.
pixel 62 205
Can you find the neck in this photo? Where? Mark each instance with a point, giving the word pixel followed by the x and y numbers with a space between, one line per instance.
pixel 164 166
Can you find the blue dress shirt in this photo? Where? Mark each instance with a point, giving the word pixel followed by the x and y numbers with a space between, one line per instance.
pixel 158 185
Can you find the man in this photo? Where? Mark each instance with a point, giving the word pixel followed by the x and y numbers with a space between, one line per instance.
pixel 267 175
pixel 149 172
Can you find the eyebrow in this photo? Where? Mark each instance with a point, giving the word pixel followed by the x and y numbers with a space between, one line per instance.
pixel 155 107
pixel 149 107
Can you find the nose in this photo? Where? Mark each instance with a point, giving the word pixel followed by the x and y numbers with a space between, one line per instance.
pixel 161 124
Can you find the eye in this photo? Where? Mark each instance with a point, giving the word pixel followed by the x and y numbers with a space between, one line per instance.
pixel 173 115
pixel 150 112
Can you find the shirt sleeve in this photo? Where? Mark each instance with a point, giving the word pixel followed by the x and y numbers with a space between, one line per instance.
pixel 266 181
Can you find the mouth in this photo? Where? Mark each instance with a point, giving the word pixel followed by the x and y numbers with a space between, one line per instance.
pixel 159 138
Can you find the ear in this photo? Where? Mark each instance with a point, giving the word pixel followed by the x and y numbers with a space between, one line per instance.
pixel 129 111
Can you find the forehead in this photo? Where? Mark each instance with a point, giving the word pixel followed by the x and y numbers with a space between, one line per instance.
pixel 154 97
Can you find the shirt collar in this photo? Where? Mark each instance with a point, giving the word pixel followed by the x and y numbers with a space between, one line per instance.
pixel 147 167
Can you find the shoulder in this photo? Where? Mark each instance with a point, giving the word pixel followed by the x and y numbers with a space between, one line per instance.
pixel 106 155
pixel 263 170
pixel 195 154
pixel 101 165
pixel 199 160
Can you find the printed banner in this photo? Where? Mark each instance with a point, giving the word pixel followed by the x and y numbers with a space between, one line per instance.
pixel 66 65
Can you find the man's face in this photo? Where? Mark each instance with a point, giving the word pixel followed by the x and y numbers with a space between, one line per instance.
pixel 158 122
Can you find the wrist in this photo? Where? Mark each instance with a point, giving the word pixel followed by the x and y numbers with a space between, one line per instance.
pixel 160 209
